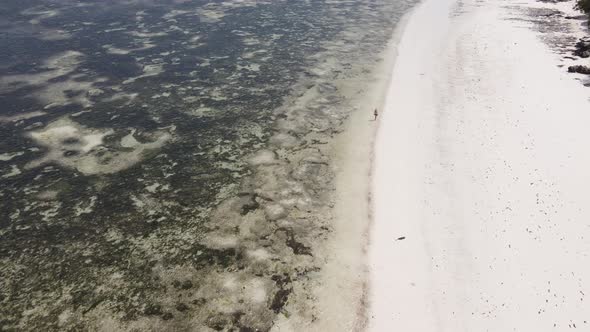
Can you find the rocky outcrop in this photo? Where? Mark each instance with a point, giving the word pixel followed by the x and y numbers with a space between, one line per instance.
pixel 582 48
pixel 579 69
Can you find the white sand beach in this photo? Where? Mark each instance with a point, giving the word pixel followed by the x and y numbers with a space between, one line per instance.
pixel 481 178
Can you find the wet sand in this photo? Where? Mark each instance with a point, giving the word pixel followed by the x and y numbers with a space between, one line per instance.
pixel 340 290
pixel 480 178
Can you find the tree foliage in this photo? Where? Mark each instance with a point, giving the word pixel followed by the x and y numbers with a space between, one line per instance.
pixel 583 5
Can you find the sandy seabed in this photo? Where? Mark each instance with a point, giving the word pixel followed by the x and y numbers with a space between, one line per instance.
pixel 480 181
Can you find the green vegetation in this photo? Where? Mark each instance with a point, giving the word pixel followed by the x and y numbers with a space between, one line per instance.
pixel 583 5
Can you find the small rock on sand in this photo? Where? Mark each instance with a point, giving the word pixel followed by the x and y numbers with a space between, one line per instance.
pixel 579 69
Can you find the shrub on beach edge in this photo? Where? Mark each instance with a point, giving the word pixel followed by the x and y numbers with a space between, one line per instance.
pixel 584 6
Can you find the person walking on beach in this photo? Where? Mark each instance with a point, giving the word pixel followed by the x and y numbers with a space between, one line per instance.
pixel 375 114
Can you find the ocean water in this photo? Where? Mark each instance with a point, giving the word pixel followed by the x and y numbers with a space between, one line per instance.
pixel 165 164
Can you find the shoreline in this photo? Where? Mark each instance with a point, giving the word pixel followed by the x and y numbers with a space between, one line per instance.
pixel 344 278
pixel 477 183
pixel 342 287
pixel 416 40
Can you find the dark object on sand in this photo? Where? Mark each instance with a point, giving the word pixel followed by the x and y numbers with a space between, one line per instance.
pixel 583 48
pixel 401 238
pixel 375 114
pixel 579 69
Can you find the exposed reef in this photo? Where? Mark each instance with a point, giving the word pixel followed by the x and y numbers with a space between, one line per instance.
pixel 71 145
pixel 166 165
